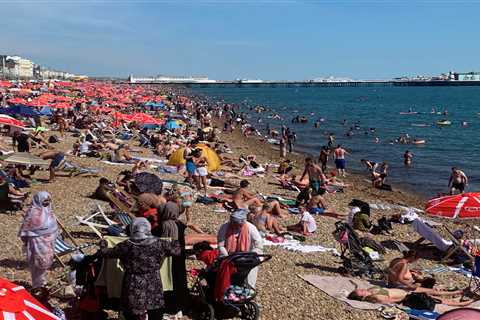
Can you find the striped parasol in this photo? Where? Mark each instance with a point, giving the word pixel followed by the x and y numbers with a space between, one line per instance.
pixel 17 304
pixel 461 206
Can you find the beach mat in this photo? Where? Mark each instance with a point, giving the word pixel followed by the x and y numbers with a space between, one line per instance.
pixel 340 287
pixel 27 159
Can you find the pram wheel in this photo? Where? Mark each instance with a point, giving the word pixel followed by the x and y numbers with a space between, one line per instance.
pixel 205 312
pixel 250 311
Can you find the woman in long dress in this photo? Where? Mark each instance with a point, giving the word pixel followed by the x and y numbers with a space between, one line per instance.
pixel 38 232
pixel 142 256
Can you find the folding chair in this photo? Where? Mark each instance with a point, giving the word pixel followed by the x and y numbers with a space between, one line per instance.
pixel 474 283
pixel 456 246
pixel 63 248
pixel 119 205
pixel 93 223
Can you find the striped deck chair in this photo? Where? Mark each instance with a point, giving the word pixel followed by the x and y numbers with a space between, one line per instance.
pixel 63 248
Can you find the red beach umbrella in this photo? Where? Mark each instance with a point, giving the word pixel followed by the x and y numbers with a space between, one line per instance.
pixel 16 101
pixel 6 84
pixel 7 120
pixel 462 206
pixel 17 304
pixel 61 105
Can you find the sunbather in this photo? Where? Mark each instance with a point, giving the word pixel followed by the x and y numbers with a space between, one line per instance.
pixel 386 295
pixel 265 221
pixel 317 205
pixel 401 276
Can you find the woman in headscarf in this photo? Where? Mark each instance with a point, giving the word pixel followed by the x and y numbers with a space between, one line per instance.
pixel 170 227
pixel 239 235
pixel 142 256
pixel 38 232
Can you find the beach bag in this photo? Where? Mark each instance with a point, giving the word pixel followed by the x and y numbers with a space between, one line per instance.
pixel 420 301
pixel 53 139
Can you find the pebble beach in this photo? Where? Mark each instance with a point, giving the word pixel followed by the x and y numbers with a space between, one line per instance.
pixel 282 294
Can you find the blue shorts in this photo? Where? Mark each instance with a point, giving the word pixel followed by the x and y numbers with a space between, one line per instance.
pixel 57 160
pixel 316 210
pixel 340 163
pixel 191 167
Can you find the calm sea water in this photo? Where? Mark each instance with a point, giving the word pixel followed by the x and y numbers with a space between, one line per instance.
pixel 380 107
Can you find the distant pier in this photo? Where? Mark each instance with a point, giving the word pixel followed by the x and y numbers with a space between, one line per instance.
pixel 308 84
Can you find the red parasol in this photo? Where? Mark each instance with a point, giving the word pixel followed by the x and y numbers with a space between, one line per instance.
pixel 7 120
pixel 16 101
pixel 462 206
pixel 17 304
pixel 61 105
pixel 6 84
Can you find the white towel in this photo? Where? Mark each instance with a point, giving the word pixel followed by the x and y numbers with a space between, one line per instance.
pixel 431 235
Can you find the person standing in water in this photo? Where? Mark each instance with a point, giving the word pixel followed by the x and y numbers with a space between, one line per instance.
pixel 458 181
pixel 340 164
pixel 407 158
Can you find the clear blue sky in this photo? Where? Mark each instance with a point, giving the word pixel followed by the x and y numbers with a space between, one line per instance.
pixel 245 39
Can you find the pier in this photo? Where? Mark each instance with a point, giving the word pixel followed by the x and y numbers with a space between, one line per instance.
pixel 308 84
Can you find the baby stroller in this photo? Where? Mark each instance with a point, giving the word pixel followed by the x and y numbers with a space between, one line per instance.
pixel 238 297
pixel 356 261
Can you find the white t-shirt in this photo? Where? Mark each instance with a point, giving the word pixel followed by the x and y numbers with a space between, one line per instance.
pixel 85 146
pixel 310 220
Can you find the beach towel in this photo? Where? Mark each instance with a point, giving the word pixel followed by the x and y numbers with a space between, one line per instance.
pixel 340 287
pixel 303 248
pixel 431 235
pixel 116 163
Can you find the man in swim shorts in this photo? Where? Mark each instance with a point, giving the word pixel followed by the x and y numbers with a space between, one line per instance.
pixel 315 176
pixel 458 181
pixel 340 160
pixel 57 163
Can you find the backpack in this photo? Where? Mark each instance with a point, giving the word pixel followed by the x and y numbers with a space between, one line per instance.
pixel 420 301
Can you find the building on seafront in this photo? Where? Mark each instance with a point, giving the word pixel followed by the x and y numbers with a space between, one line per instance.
pixel 17 68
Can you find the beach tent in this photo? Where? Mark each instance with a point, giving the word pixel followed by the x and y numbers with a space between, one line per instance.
pixel 20 110
pixel 46 111
pixel 461 206
pixel 9 121
pixel 176 159
pixel 16 303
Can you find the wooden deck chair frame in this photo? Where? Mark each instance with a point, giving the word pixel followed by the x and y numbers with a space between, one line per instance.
pixel 456 246
pixel 95 225
pixel 119 204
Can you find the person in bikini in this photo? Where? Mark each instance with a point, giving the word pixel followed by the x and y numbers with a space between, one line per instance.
pixel 401 276
pixel 382 295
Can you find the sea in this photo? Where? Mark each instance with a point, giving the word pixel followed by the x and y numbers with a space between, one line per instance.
pixel 381 108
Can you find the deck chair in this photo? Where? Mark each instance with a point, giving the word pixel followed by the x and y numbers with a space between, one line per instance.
pixel 448 247
pixel 97 220
pixel 118 204
pixel 63 248
pixel 100 221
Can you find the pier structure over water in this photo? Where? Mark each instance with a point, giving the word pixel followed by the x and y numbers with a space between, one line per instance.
pixel 205 83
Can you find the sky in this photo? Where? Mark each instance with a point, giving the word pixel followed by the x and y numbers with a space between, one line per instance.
pixel 263 39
